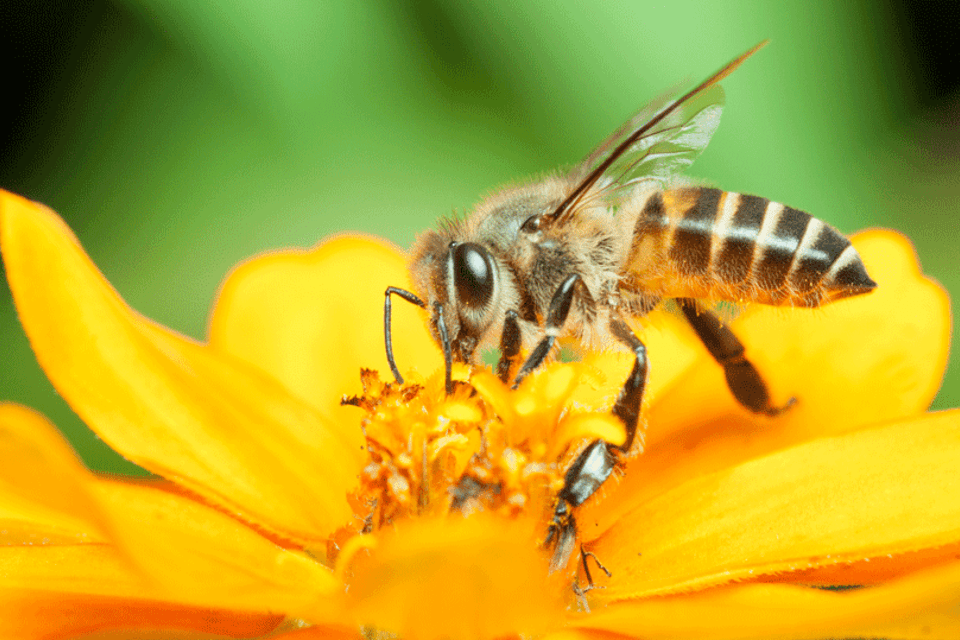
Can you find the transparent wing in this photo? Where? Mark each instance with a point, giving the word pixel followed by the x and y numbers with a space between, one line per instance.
pixel 638 119
pixel 665 150
pixel 659 142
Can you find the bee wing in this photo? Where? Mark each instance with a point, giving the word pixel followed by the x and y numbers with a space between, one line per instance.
pixel 665 150
pixel 638 119
pixel 655 150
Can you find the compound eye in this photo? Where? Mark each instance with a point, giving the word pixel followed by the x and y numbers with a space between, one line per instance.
pixel 473 274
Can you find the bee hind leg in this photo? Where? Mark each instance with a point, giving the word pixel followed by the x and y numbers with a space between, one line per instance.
pixel 743 379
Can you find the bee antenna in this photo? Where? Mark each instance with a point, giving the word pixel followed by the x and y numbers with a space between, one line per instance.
pixel 569 205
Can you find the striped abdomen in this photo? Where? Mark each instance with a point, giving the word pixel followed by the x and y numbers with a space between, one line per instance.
pixel 707 243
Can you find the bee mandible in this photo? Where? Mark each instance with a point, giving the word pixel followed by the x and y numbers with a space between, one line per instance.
pixel 577 254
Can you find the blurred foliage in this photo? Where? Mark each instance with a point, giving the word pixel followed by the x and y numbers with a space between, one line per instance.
pixel 179 137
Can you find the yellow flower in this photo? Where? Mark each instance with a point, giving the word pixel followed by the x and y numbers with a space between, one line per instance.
pixel 281 512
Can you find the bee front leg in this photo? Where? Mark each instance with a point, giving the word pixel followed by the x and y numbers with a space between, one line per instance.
pixel 743 379
pixel 556 316
pixel 387 333
pixel 510 341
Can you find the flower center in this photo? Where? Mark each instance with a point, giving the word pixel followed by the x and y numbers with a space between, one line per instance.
pixel 432 454
pixel 482 449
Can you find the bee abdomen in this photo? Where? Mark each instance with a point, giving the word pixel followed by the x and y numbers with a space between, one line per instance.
pixel 737 247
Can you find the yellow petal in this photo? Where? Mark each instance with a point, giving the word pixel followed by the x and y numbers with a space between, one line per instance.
pixel 40 615
pixel 672 350
pixel 918 606
pixel 856 362
pixel 313 318
pixel 201 556
pixel 888 490
pixel 589 426
pixel 44 494
pixel 478 577
pixel 184 411
pixel 93 569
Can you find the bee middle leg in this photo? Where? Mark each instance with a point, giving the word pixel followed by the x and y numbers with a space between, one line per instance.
pixel 743 379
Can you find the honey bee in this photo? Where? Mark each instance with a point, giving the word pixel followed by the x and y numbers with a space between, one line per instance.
pixel 577 254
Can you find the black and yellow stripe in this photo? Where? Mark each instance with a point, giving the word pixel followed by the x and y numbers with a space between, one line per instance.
pixel 747 248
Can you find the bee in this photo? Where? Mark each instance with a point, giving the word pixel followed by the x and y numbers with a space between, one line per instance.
pixel 578 254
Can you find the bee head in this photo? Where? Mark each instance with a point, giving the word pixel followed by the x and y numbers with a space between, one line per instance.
pixel 461 283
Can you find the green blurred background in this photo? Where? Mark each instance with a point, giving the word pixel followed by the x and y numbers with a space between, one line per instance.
pixel 178 137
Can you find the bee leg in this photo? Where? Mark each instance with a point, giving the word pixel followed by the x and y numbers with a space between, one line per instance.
pixel 556 316
pixel 586 555
pixel 562 535
pixel 630 399
pixel 510 341
pixel 595 463
pixel 743 379
pixel 387 336
pixel 445 343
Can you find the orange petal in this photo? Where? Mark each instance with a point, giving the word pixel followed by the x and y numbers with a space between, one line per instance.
pixel 856 362
pixel 201 556
pixel 198 554
pixel 887 490
pixel 175 407
pixel 919 606
pixel 313 318
pixel 191 553
pixel 321 633
pixel 44 493
pixel 478 577
pixel 877 570
pixel 28 615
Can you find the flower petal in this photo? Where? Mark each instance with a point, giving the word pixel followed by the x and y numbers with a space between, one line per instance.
pixel 201 556
pixel 918 606
pixel 853 363
pixel 888 490
pixel 183 411
pixel 321 633
pixel 28 615
pixel 44 496
pixel 478 577
pixel 191 553
pixel 313 318
pixel 49 591
pixel 92 569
